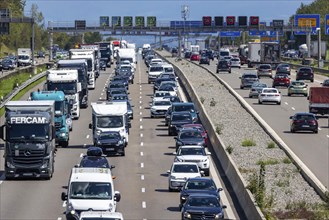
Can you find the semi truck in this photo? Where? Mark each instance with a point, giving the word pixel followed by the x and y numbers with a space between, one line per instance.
pixel 97 55
pixel 89 55
pixel 29 135
pixel 319 100
pixel 68 82
pixel 110 116
pixel 24 56
pixel 106 49
pixel 82 67
pixel 61 113
pixel 127 54
pixel 263 53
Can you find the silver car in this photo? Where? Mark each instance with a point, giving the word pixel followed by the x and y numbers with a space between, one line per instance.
pixel 256 89
pixel 247 79
pixel 264 70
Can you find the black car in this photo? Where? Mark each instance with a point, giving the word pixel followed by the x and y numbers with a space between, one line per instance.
pixel 189 136
pixel 305 73
pixel 223 65
pixel 121 81
pixel 204 59
pixel 198 185
pixel 158 81
pixel 111 142
pixel 303 121
pixel 202 206
pixel 116 91
pixel 7 64
pixel 187 54
pixel 210 54
pixel 95 158
pixel 178 119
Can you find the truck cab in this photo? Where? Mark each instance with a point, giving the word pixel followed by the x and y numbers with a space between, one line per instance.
pixel 29 135
pixel 110 116
pixel 68 82
pixel 61 114
pixel 90 189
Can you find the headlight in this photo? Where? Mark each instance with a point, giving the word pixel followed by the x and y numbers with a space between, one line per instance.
pixel 120 142
pixel 63 134
pixel 10 165
pixel 172 177
pixel 98 132
pixel 45 164
pixel 205 160
pixel 219 216
pixel 111 207
pixel 187 215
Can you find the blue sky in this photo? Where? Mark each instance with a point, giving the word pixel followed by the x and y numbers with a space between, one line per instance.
pixel 66 11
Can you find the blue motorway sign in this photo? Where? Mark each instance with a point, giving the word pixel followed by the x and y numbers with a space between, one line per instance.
pixel 180 24
pixel 230 34
pixel 307 20
pixel 273 33
pixel 257 33
pixel 326 24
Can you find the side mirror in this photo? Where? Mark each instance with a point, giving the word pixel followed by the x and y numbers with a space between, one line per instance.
pixel 175 138
pixel 117 196
pixel 147 71
pixel 224 207
pixel 90 126
pixel 112 166
pixel 64 196
pixel 168 171
pixel 79 87
pixel 76 166
pixel 290 117
pixel 2 132
pixel 219 189
pixel 174 153
pixel 208 153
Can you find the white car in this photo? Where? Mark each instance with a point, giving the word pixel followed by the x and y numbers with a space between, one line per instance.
pixel 153 72
pixel 158 95
pixel 269 95
pixel 196 154
pixel 180 172
pixel 159 108
pixel 235 62
pixel 88 215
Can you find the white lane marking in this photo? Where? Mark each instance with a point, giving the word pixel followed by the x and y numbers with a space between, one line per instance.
pixel 102 94
pixel 223 196
pixel 140 113
pixel 84 145
pixel 327 136
pixel 142 154
pixel 81 155
pixel 319 129
pixel 140 102
pixel 64 204
pixel 142 177
pixel 1 181
pixel 141 127
pixel 140 107
pixel 142 144
pixel 144 205
pixel 59 218
pixel 140 92
pixel 140 86
pixel 140 97
pixel 140 119
pixel 142 165
pixel 87 136
pixel 142 135
pixel 143 190
pixel 293 108
pixel 286 103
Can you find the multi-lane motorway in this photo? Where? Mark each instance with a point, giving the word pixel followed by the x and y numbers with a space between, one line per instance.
pixel 140 175
pixel 312 149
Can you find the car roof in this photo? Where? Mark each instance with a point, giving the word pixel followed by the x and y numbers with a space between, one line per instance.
pixel 203 195
pixel 304 113
pixel 191 146
pixel 183 103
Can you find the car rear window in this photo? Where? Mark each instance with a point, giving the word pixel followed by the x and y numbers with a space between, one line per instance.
pixel 263 67
pixel 305 117
pixel 250 76
pixel 305 70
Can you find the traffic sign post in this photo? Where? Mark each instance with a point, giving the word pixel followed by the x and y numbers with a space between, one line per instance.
pixel 230 33
pixel 104 21
pixel 326 24
pixel 151 21
pixel 116 21
pixel 139 21
pixel 80 24
pixel 127 21
pixel 307 20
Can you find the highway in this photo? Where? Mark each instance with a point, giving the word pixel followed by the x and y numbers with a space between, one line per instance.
pixel 140 176
pixel 312 149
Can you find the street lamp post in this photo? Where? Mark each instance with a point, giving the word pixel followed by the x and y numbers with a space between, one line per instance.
pixel 319 46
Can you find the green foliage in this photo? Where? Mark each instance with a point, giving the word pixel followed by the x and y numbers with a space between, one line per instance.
pixel 271 145
pixel 229 149
pixel 219 128
pixel 267 162
pixel 248 143
pixel 286 160
pixel 202 99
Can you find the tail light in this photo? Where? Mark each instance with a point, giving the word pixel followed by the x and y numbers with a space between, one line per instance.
pixel 262 95
pixel 312 122
pixel 298 121
pixel 277 95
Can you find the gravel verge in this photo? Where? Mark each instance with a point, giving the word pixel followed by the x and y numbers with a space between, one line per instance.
pixel 285 188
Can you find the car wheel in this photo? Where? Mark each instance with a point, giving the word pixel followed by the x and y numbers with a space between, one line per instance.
pixel 279 103
pixel 289 94
pixel 316 131
pixel 123 153
pixel 292 130
pixel 259 102
pixel 241 87
pixel 217 71
pixel 312 80
pixel 170 189
pixel 229 71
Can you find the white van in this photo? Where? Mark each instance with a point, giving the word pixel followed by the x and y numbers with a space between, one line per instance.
pixel 101 215
pixel 90 189
pixel 224 52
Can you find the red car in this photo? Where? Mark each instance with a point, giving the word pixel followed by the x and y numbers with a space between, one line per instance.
pixel 200 127
pixel 281 80
pixel 195 57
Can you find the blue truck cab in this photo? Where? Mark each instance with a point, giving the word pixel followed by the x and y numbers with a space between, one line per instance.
pixel 61 113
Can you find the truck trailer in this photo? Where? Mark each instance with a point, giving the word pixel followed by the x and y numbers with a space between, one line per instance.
pixel 319 100
pixel 29 135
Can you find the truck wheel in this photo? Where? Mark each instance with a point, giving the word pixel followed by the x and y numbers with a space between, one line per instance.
pixel 217 71
pixel 65 144
pixel 123 153
pixel 312 80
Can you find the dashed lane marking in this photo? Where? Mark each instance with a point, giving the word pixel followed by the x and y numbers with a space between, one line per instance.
pixel 140 102
pixel 141 135
pixel 142 165
pixel 142 154
pixel 87 136
pixel 143 190
pixel 140 113
pixel 140 92
pixel 142 177
pixel 64 204
pixel 102 94
pixel 144 205
pixel 140 119
pixel 293 108
pixel 140 97
pixel 142 144
pixel 141 127
pixel 59 218
pixel 81 155
pixel 327 136
pixel 319 129
pixel 286 103
pixel 140 107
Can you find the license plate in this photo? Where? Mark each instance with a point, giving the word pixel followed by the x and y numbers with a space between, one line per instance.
pixel 110 149
pixel 305 126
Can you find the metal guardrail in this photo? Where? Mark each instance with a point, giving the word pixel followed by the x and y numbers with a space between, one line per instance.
pixel 21 87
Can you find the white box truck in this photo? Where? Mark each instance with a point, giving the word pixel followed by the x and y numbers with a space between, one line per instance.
pixel 24 56
pixel 110 116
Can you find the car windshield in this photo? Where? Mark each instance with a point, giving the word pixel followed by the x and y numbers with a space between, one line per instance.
pixel 203 202
pixel 161 94
pixel 169 69
pixel 110 122
pixel 265 67
pixel 94 161
pixel 166 88
pixel 28 131
pixel 185 168
pixel 224 53
pixel 259 85
pixel 90 190
pixel 156 69
pixel 181 108
pixel 305 70
pixel 200 185
pixel 190 134
pixel 270 91
pixel 191 151
pixel 162 103
pixel 298 83
pixel 253 76
pixel 68 88
pixel 181 117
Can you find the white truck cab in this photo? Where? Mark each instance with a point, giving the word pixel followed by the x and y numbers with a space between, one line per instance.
pixel 67 81
pixel 90 189
pixel 110 116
